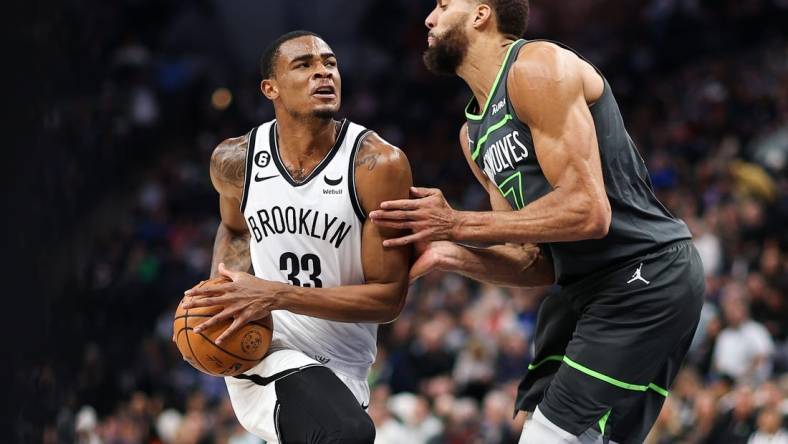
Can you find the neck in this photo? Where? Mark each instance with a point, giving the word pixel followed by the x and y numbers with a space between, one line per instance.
pixel 482 62
pixel 301 141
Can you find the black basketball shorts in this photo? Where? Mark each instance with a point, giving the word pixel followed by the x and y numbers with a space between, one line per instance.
pixel 609 346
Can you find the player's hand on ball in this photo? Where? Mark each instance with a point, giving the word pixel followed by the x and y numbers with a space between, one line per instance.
pixel 245 299
pixel 427 214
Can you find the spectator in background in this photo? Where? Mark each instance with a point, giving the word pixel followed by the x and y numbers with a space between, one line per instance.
pixel 737 424
pixel 462 425
pixel 497 425
pixel 769 429
pixel 704 415
pixel 474 371
pixel 743 349
pixel 667 427
pixel 387 429
pixel 414 412
pixel 85 426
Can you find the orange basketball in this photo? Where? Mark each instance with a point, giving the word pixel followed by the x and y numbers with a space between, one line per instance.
pixel 238 353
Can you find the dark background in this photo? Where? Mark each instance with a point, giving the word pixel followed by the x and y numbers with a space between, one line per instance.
pixel 110 212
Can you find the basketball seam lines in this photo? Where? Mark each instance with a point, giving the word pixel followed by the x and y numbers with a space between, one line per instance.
pixel 189 343
pixel 210 316
pixel 220 348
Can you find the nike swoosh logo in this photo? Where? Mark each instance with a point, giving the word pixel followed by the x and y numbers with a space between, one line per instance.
pixel 258 178
pixel 332 182
pixel 363 406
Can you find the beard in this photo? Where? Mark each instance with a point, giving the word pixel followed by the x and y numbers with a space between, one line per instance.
pixel 324 113
pixel 448 51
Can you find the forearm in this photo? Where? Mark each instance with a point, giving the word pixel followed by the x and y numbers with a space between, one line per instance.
pixel 232 248
pixel 558 216
pixel 373 302
pixel 504 265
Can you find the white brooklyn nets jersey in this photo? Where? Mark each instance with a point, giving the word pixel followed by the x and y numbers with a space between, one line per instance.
pixel 308 233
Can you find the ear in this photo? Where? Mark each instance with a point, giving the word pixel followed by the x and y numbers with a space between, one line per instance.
pixel 270 89
pixel 482 16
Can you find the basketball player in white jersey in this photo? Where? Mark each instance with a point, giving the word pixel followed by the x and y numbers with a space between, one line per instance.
pixel 294 194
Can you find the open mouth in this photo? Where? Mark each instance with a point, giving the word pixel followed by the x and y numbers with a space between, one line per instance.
pixel 325 92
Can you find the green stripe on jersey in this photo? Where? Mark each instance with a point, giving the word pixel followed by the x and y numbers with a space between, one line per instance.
pixel 480 142
pixel 494 86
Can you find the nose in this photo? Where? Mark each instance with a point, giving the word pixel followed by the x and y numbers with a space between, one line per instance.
pixel 322 72
pixel 431 19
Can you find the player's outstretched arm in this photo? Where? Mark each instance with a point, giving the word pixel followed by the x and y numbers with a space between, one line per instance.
pixel 511 265
pixel 546 88
pixel 503 265
pixel 228 165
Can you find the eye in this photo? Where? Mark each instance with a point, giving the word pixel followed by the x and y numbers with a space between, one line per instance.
pixel 331 63
pixel 302 65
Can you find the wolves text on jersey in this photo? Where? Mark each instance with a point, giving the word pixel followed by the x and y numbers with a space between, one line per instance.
pixel 306 222
pixel 504 154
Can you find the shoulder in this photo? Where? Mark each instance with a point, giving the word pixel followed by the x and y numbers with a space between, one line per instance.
pixel 543 60
pixel 545 67
pixel 228 163
pixel 382 172
pixel 378 157
pixel 230 149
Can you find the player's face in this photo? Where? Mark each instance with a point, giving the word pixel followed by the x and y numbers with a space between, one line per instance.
pixel 307 79
pixel 447 39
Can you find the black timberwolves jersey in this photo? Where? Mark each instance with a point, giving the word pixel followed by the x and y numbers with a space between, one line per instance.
pixel 502 147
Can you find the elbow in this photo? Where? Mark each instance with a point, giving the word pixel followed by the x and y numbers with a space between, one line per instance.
pixel 596 223
pixel 394 309
pixel 390 315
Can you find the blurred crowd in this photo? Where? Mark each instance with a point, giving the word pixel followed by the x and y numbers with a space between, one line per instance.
pixel 703 87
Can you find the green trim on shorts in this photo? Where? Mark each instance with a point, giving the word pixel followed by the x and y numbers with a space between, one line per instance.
pixel 603 421
pixel 549 358
pixel 601 376
pixel 658 389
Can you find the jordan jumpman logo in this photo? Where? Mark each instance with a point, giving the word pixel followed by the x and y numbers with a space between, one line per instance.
pixel 637 276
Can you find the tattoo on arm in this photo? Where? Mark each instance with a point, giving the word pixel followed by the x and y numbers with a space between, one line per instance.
pixel 228 161
pixel 231 248
pixel 370 160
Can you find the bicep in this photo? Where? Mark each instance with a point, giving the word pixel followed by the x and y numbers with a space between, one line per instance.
pixel 567 148
pixel 228 165
pixel 390 179
pixel 230 211
pixel 547 93
pixel 382 265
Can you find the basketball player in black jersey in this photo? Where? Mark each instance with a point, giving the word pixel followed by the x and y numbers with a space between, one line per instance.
pixel 573 205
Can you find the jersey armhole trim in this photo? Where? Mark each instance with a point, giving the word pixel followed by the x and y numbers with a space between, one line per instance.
pixel 351 174
pixel 248 169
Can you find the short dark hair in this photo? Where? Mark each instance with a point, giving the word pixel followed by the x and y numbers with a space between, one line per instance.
pixel 512 16
pixel 268 58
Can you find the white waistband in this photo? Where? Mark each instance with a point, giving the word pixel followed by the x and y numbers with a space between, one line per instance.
pixel 336 365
